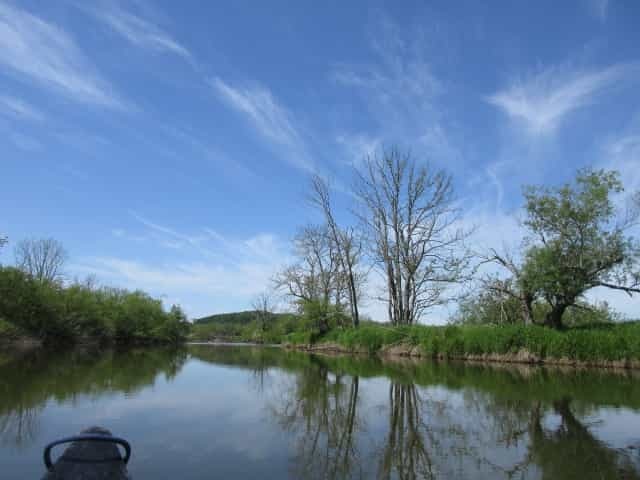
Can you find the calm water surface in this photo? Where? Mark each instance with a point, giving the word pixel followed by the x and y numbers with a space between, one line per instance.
pixel 249 412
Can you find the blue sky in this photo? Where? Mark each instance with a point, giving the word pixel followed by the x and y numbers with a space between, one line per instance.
pixel 168 145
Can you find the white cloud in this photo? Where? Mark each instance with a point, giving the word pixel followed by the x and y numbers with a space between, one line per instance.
pixel 623 154
pixel 19 108
pixel 205 287
pixel 358 147
pixel 264 245
pixel 174 239
pixel 210 272
pixel 400 91
pixel 46 54
pixel 400 87
pixel 598 8
pixel 270 119
pixel 138 31
pixel 541 102
pixel 25 142
pixel 438 146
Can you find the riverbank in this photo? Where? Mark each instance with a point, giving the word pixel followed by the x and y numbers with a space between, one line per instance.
pixel 414 353
pixel 12 337
pixel 603 346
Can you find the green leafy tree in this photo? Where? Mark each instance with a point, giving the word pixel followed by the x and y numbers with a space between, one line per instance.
pixel 580 241
pixel 54 312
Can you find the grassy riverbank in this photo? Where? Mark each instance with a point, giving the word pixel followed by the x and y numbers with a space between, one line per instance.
pixel 619 343
pixel 600 342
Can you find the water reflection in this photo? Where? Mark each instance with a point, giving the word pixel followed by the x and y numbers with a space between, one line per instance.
pixel 320 410
pixel 504 412
pixel 340 417
pixel 558 450
pixel 28 379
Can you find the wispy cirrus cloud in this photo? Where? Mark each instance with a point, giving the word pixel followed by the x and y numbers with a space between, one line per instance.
pixel 24 142
pixel 16 107
pixel 46 54
pixel 400 90
pixel 541 102
pixel 401 86
pixel 175 238
pixel 598 8
pixel 359 146
pixel 138 31
pixel 622 153
pixel 214 272
pixel 271 120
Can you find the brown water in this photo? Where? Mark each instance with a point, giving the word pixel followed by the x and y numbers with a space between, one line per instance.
pixel 250 412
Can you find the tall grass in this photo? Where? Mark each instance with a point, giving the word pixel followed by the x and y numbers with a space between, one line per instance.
pixel 612 342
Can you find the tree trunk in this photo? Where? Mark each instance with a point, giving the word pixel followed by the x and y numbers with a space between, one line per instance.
pixel 554 317
pixel 355 315
pixel 527 309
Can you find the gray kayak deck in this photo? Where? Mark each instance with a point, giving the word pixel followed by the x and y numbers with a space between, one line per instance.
pixel 89 460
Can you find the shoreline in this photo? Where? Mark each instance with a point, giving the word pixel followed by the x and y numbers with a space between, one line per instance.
pixel 407 351
pixel 402 351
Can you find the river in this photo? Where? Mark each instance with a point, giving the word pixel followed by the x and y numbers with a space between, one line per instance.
pixel 248 412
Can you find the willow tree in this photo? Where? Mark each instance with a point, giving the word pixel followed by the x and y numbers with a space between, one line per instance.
pixel 516 287
pixel 580 241
pixel 412 221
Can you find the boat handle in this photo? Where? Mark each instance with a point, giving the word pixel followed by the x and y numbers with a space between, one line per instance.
pixel 87 437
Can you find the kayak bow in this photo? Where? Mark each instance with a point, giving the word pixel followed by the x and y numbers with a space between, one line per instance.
pixel 91 455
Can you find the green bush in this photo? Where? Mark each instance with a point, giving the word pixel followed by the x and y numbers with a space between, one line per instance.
pixel 53 312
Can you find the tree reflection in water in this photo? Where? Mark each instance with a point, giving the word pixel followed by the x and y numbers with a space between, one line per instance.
pixel 359 417
pixel 429 436
pixel 406 451
pixel 571 450
pixel 320 410
pixel 29 379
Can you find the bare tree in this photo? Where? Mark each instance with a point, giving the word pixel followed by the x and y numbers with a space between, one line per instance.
pixel 315 275
pixel 411 217
pixel 263 306
pixel 42 258
pixel 346 241
pixel 3 240
pixel 514 286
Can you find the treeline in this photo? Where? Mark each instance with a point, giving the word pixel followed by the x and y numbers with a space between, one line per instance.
pixel 406 225
pixel 36 302
pixel 52 311
pixel 247 326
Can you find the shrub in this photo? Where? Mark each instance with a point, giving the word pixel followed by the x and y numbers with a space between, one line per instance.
pixel 53 312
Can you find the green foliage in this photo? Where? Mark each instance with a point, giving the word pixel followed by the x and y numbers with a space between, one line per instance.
pixel 581 243
pixel 8 331
pixel 234 318
pixel 595 342
pixel 315 319
pixel 490 308
pixel 321 317
pixel 243 326
pixel 487 307
pixel 369 337
pixel 52 312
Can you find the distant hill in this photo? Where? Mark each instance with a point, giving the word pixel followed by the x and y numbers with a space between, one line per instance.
pixel 234 318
